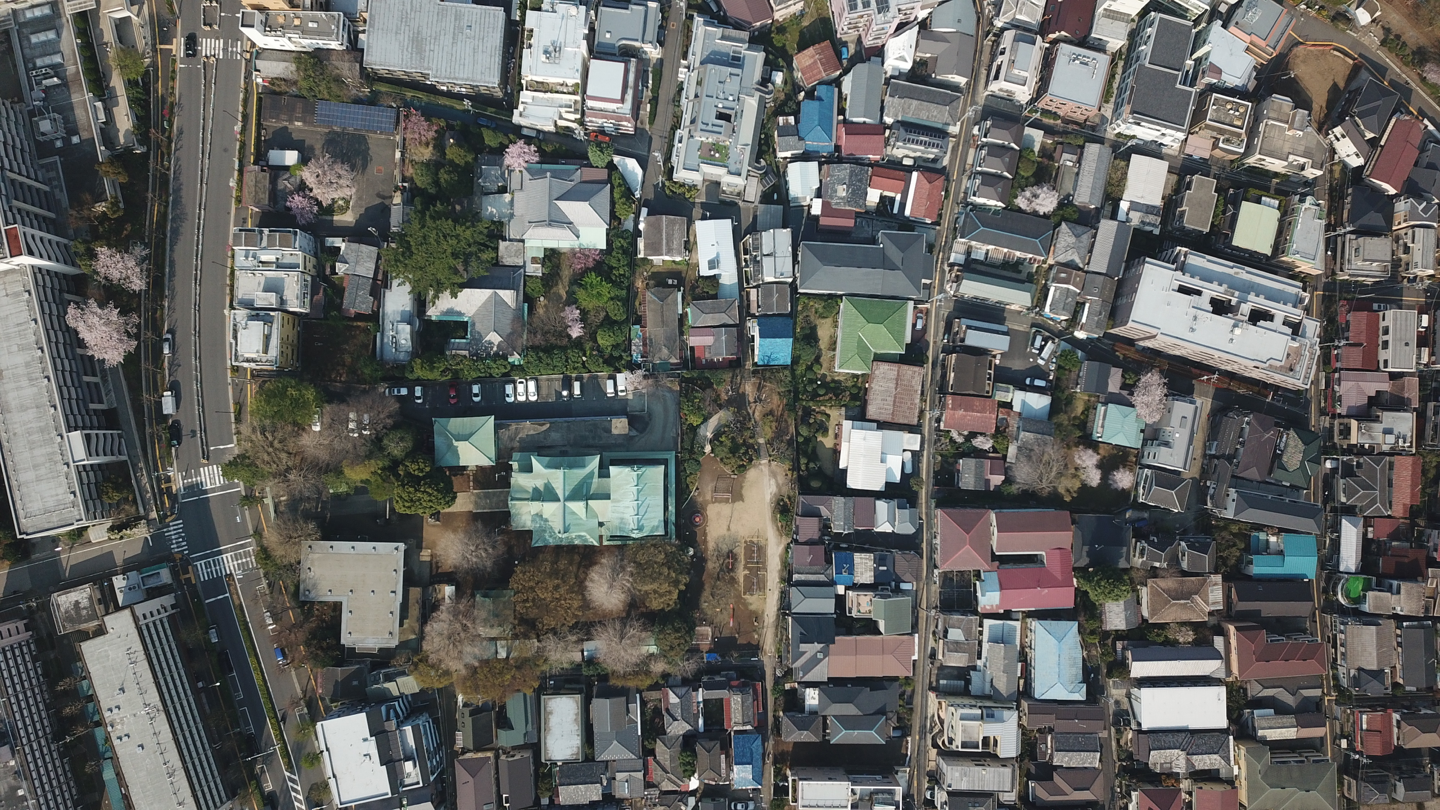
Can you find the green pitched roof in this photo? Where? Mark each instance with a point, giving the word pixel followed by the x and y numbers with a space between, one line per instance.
pixel 1300 459
pixel 869 327
pixel 561 500
pixel 465 441
pixel 637 501
pixel 1118 424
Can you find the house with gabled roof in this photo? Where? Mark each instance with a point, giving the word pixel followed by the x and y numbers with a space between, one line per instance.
pixel 1057 669
pixel 897 266
pixel 615 725
pixel 802 727
pixel 1003 236
pixel 1181 599
pixel 681 708
pixel 869 328
pixel 1284 779
pixel 1255 654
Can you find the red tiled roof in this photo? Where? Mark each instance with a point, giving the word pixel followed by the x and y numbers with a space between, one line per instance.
pixel 1253 657
pixel 1071 17
pixel 970 414
pixel 1384 528
pixel 1404 485
pixel 840 219
pixel 888 181
pixel 872 657
pixel 923 199
pixel 1363 352
pixel 962 540
pixel 1051 587
pixel 748 13
pixel 1160 799
pixel 861 140
pixel 1227 799
pixel 1032 531
pixel 1375 733
pixel 1403 562
pixel 1398 151
pixel 816 63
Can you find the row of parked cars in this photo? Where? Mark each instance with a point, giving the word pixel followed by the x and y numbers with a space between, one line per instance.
pixel 517 390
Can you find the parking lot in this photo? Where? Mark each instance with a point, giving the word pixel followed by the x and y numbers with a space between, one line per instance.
pixel 1018 363
pixel 551 405
pixel 372 157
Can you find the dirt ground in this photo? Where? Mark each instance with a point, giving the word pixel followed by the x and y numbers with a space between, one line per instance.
pixel 733 600
pixel 1317 78
pixel 829 457
pixel 1418 23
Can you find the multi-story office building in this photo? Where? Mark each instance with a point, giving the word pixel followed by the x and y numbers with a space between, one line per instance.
pixel 58 426
pixel 1221 314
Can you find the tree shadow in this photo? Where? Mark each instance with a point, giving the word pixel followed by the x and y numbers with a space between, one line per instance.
pixel 821 30
pixel 348 147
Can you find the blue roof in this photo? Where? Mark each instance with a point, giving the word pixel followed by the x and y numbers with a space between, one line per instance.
pixel 844 568
pixel 775 340
pixel 1057 670
pixel 817 120
pixel 749 760
pixel 1297 558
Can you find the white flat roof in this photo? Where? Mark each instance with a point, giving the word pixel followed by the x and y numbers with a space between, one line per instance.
pixel 562 728
pixel 352 760
pixel 1174 708
pixel 366 579
pixel 715 248
pixel 133 711
pixel 557 42
pixel 1145 182
pixel 607 79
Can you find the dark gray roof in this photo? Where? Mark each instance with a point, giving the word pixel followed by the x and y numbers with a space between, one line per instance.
pixel 946 53
pixel 715 312
pixel 1171 47
pixel 1417 656
pixel 1373 107
pixel 581 782
pixel 1159 97
pixel 857 700
pixel 1165 490
pixel 475 782
pixel 926 105
pixel 1093 173
pixel 517 778
pixel 1268 510
pixel 1364 483
pixel 1007 230
pixel 662 325
pixel 846 185
pixel 712 760
pixel 812 599
pixel 802 727
pixel 1101 540
pixel 617 728
pixel 1072 244
pixel 1097 377
pixel 1098 287
pixel 897 267
pixel 866 85
pixel 992 187
pixel 1112 242
pixel 870 729
pixel 1366 209
pixel 1259 599
pixel 997 158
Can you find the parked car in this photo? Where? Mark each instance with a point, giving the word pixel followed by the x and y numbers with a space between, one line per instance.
pixel 365 423
pixel 397 391
pixel 509 392
pixel 315 422
pixel 565 387
pixel 520 395
pixel 620 384
pixel 280 657
pixel 419 394
pixel 575 388
pixel 475 392
pixel 532 389
pixel 269 622
pixel 167 343
pixel 609 386
pixel 176 433
pixel 599 137
pixel 454 394
pixel 1037 382
pixel 919 321
pixel 352 425
pixel 214 635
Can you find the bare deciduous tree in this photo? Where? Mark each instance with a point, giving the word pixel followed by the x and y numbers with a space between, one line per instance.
pixel 1042 466
pixel 1087 464
pixel 1149 396
pixel 286 536
pixel 609 585
pixel 105 332
pixel 383 410
pixel 1122 478
pixel 622 644
pixel 983 442
pixel 472 551
pixel 560 648
pixel 451 635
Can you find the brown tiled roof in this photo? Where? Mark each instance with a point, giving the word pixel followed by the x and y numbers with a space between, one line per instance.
pixel 962 540
pixel 894 394
pixel 861 140
pixel 1253 657
pixel 1405 485
pixel 1375 733
pixel 872 657
pixel 1363 351
pixel 1179 599
pixel 970 414
pixel 1398 150
pixel 1069 786
pixel 1032 531
pixel 816 63
pixel 1227 799
pixel 888 181
pixel 1419 730
pixel 1070 17
pixel 1160 799
pixel 927 191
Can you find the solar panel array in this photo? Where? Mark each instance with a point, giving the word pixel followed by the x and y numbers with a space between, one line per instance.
pixel 361 117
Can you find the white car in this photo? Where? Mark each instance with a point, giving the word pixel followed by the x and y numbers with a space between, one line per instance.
pixel 475 392
pixel 575 388
pixel 353 427
pixel 520 391
pixel 419 394
pixel 620 384
pixel 509 392
pixel 532 389
pixel 1037 382
pixel 609 386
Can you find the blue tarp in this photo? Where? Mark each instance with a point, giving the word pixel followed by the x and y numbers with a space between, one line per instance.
pixel 776 340
pixel 749 760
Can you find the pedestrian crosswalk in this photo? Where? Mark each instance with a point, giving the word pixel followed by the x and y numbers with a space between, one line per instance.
pixel 234 562
pixel 174 536
pixel 207 477
pixel 222 48
pixel 294 782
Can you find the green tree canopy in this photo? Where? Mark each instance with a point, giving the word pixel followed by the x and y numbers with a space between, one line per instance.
pixel 666 570
pixel 1067 360
pixel 286 401
pixel 548 588
pixel 128 62
pixel 315 79
pixel 244 469
pixel 435 251
pixel 601 154
pixel 422 488
pixel 1105 584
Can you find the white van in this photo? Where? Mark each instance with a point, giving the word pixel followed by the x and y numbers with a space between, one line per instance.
pixel 620 383
pixel 167 403
pixel 609 386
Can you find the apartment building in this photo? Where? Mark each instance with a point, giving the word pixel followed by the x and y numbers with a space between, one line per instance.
pixel 1016 69
pixel 456 47
pixel 302 31
pixel 722 109
pixel 1077 82
pixel 1156 91
pixel 552 67
pixel 873 22
pixel 1224 315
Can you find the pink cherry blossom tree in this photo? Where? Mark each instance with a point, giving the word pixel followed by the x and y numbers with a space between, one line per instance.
pixel 1087 463
pixel 329 179
pixel 303 206
pixel 1149 396
pixel 520 154
pixel 125 269
pixel 574 327
pixel 105 332
pixel 419 132
pixel 1122 478
pixel 982 441
pixel 584 258
pixel 1038 200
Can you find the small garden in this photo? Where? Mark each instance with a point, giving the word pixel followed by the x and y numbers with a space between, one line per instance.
pixel 819 393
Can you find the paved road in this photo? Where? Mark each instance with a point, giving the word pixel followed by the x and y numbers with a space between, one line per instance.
pixel 671 57
pixel 1366 47
pixel 214 532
